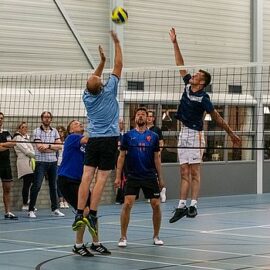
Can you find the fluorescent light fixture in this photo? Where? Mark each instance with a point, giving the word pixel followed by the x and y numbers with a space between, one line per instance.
pixel 266 110
pixel 207 117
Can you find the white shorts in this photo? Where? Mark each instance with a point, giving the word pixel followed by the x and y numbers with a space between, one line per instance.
pixel 190 138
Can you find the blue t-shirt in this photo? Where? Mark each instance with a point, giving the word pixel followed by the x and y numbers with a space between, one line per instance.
pixel 140 149
pixel 103 110
pixel 192 106
pixel 73 158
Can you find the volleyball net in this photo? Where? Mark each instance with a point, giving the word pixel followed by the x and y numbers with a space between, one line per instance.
pixel 239 93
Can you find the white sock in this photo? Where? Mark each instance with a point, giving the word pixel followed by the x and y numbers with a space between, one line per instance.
pixel 182 203
pixel 193 203
pixel 96 243
pixel 78 245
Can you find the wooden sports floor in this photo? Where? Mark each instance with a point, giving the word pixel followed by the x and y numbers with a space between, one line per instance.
pixel 229 233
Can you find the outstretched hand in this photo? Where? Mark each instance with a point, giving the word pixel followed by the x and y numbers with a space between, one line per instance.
pixel 236 140
pixel 101 53
pixel 114 37
pixel 172 34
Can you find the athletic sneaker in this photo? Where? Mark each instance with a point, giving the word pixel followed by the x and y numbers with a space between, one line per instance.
pixel 66 206
pixel 192 212
pixel 100 249
pixel 78 222
pixel 10 215
pixel 62 205
pixel 25 207
pixel 83 251
pixel 122 242
pixel 158 242
pixel 31 214
pixel 57 213
pixel 178 213
pixel 163 195
pixel 91 223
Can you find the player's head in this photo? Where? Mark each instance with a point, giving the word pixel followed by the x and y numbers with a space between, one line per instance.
pixel 141 116
pixel 151 118
pixel 94 85
pixel 201 77
pixel 75 126
pixel 46 118
pixel 1 119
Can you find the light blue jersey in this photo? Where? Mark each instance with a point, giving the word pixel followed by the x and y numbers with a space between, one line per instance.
pixel 103 110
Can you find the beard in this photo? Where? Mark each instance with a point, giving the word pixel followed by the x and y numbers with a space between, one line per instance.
pixel 141 123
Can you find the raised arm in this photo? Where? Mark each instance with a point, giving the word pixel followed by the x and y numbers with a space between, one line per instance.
pixel 101 65
pixel 118 58
pixel 177 53
pixel 221 122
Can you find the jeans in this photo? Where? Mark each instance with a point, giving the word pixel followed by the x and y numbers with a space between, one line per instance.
pixel 41 169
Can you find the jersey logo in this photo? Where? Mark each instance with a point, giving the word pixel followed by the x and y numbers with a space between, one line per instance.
pixel 148 138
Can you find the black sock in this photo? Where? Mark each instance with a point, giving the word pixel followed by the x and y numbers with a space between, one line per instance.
pixel 93 213
pixel 79 212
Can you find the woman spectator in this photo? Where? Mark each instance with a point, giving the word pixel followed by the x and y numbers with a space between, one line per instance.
pixel 25 160
pixel 63 134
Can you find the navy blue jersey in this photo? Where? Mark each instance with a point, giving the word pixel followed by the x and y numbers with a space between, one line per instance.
pixel 73 157
pixel 192 106
pixel 140 149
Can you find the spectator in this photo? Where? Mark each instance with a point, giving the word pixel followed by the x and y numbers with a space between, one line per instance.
pixel 5 168
pixel 151 118
pixel 46 162
pixel 25 158
pixel 63 134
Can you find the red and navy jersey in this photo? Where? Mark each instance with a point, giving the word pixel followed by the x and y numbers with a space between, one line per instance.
pixel 192 106
pixel 140 149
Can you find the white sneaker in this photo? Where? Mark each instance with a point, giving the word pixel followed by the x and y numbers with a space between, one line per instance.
pixel 25 207
pixel 31 214
pixel 122 242
pixel 163 195
pixel 57 213
pixel 158 242
pixel 66 205
pixel 62 205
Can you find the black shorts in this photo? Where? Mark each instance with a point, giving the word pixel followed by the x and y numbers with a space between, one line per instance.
pixel 149 187
pixel 5 174
pixel 101 153
pixel 69 190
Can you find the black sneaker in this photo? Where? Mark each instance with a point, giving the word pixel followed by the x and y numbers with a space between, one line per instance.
pixel 83 251
pixel 78 223
pixel 192 212
pixel 178 213
pixel 100 249
pixel 10 215
pixel 91 223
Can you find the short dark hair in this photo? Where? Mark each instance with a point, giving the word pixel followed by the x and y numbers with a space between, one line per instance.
pixel 42 115
pixel 69 125
pixel 207 77
pixel 2 114
pixel 141 109
pixel 153 113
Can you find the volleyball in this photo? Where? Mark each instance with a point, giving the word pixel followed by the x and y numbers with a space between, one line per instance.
pixel 119 15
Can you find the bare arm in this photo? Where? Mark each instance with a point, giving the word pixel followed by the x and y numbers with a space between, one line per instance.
pixel 221 122
pixel 84 140
pixel 50 148
pixel 120 165
pixel 177 53
pixel 101 65
pixel 157 160
pixel 118 57
pixel 6 145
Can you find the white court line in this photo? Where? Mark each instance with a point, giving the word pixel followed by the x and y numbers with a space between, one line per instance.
pixel 238 228
pixel 36 229
pixel 53 249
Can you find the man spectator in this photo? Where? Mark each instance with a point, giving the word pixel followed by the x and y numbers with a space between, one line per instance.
pixel 46 163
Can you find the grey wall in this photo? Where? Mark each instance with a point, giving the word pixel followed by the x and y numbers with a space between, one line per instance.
pixel 218 179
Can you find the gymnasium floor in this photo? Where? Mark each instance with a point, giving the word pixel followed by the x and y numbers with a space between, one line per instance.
pixel 230 232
